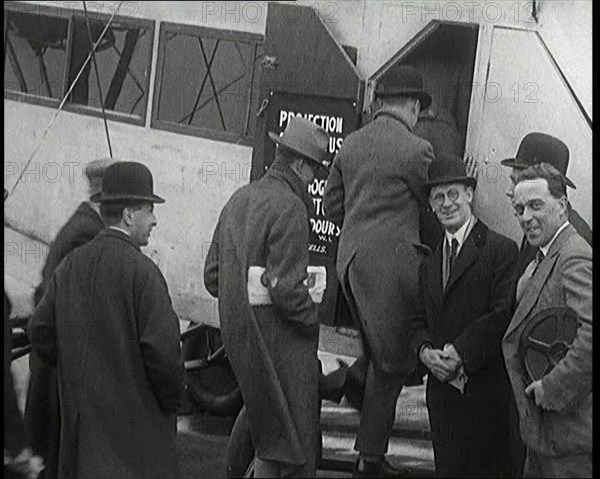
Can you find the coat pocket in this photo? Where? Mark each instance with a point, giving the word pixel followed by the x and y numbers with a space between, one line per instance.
pixel 566 434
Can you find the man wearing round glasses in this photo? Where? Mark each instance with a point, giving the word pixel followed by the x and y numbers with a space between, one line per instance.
pixel 465 290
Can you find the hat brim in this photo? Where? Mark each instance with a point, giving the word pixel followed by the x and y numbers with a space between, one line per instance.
pixel 465 180
pixel 278 140
pixel 514 163
pixel 102 198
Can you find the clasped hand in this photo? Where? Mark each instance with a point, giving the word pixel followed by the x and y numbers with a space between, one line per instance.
pixel 536 391
pixel 443 364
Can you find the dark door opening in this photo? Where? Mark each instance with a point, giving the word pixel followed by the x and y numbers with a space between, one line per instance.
pixel 445 55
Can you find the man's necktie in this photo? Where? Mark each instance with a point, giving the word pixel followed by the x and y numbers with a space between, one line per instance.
pixel 528 274
pixel 451 251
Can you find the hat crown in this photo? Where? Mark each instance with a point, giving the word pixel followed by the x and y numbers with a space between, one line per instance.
pixel 542 148
pixel 306 139
pixel 402 76
pixel 404 80
pixel 448 168
pixel 127 180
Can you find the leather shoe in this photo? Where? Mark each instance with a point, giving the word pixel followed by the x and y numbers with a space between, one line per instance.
pixel 331 386
pixel 380 468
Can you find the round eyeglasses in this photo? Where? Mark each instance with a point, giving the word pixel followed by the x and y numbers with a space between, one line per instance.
pixel 439 198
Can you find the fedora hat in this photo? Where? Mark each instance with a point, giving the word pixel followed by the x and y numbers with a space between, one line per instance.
pixel 306 139
pixel 447 168
pixel 94 172
pixel 127 180
pixel 541 148
pixel 403 80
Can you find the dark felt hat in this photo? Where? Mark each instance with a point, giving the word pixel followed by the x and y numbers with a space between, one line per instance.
pixel 447 168
pixel 127 180
pixel 306 139
pixel 403 80
pixel 541 148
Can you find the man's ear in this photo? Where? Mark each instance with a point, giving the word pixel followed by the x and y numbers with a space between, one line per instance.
pixel 564 205
pixel 470 193
pixel 417 107
pixel 127 216
pixel 431 204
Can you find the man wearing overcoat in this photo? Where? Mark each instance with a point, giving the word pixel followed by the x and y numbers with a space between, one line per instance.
pixel 107 324
pixel 374 194
pixel 555 411
pixel 464 308
pixel 257 268
pixel 42 411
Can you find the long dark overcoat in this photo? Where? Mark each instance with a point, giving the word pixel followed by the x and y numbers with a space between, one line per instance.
pixel 469 432
pixel 272 348
pixel 374 193
pixel 107 323
pixel 42 414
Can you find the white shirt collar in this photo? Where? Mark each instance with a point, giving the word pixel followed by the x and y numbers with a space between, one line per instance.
pixel 546 248
pixel 120 229
pixel 461 234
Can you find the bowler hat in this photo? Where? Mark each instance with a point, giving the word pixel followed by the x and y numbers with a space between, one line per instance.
pixel 306 139
pixel 403 80
pixel 541 148
pixel 127 180
pixel 447 168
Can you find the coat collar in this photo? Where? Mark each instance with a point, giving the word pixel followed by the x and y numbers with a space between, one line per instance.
pixel 284 174
pixel 86 209
pixel 469 253
pixel 112 233
pixel 537 282
pixel 396 116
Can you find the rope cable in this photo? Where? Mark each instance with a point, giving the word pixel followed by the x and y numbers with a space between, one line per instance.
pixel 89 29
pixel 65 99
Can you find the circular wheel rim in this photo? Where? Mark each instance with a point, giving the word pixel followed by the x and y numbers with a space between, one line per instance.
pixel 548 335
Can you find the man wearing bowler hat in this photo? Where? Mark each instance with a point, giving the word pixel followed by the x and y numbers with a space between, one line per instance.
pixel 463 309
pixel 42 411
pixel 107 324
pixel 555 405
pixel 374 194
pixel 257 268
pixel 536 148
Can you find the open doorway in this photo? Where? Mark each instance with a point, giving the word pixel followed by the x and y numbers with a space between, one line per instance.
pixel 444 53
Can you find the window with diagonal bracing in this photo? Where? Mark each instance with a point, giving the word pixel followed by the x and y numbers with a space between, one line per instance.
pixel 207 82
pixel 48 49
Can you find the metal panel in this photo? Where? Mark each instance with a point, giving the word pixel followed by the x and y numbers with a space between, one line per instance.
pixel 524 92
pixel 301 57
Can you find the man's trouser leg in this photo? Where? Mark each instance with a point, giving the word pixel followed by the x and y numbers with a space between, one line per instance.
pixel 378 411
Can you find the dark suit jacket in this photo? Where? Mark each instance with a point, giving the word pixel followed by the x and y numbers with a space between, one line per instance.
pixel 469 431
